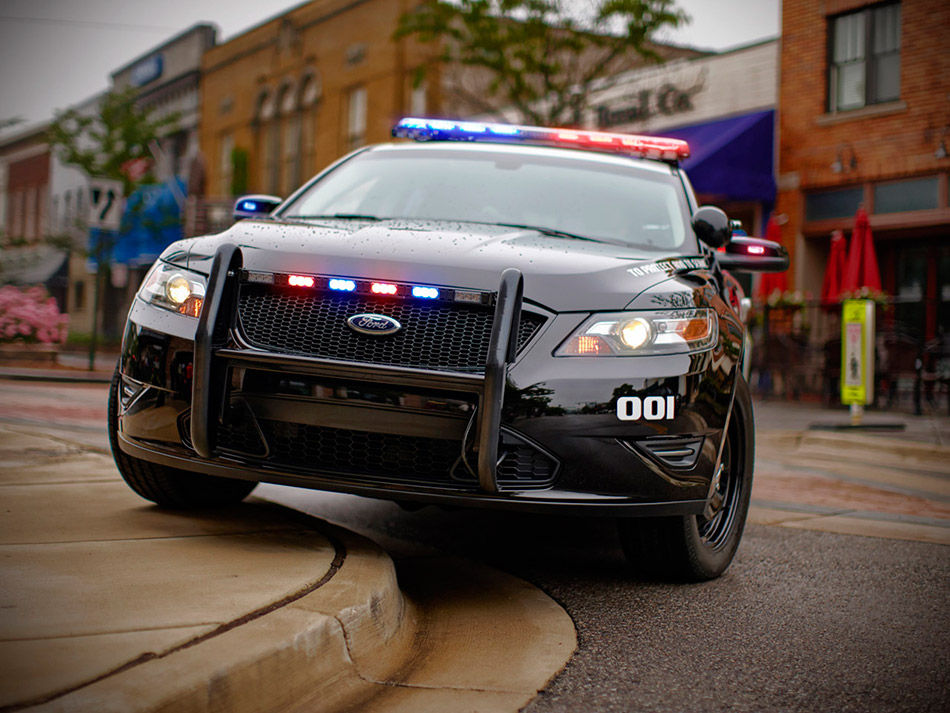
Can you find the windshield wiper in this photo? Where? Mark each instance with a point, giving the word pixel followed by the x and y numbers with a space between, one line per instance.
pixel 338 216
pixel 548 231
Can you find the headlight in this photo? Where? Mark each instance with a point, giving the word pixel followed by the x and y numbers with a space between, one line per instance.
pixel 174 289
pixel 643 333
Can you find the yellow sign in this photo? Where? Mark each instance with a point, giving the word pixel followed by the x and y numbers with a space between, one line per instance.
pixel 857 352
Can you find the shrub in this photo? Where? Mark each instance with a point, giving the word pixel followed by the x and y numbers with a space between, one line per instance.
pixel 29 315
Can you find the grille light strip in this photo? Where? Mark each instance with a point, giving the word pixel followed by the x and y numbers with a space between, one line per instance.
pixel 373 288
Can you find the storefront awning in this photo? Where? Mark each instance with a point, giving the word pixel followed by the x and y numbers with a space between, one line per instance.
pixel 151 222
pixel 731 159
pixel 34 265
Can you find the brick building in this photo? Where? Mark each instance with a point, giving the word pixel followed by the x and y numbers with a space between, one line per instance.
pixel 26 255
pixel 865 119
pixel 291 95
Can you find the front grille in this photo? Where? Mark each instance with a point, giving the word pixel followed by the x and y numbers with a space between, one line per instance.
pixel 435 335
pixel 381 457
pixel 241 437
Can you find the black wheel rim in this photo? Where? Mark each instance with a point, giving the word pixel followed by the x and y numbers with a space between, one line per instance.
pixel 715 531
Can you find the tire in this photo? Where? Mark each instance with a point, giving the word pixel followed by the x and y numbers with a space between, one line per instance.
pixel 165 486
pixel 693 548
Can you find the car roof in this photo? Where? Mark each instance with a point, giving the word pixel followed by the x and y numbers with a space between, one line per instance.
pixel 517 149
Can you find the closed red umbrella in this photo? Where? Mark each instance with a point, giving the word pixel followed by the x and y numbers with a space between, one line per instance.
pixel 862 269
pixel 771 281
pixel 834 272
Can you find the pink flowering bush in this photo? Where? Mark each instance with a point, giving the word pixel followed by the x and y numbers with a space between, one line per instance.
pixel 29 315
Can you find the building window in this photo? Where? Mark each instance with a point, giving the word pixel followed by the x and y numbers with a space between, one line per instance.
pixel 69 220
pixel 356 118
pixel 418 95
pixel 16 215
pixel 901 196
pixel 80 216
pixel 310 91
pixel 42 212
pixel 307 147
pixel 864 58
pixel 835 203
pixel 292 127
pixel 272 158
pixel 79 295
pixel 225 164
pixel 29 215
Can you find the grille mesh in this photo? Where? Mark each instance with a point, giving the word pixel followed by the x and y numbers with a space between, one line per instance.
pixel 383 457
pixel 435 335
pixel 380 454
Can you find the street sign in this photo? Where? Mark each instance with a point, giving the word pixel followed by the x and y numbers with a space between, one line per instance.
pixel 857 352
pixel 105 203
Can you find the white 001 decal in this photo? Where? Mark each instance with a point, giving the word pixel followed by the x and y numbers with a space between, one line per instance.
pixel 652 408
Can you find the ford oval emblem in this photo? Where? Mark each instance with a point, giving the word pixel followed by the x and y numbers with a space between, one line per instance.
pixel 373 324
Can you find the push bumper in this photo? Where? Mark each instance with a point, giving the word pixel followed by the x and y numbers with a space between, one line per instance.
pixel 639 485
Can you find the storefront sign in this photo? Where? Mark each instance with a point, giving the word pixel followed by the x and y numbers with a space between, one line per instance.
pixel 857 352
pixel 146 71
pixel 666 100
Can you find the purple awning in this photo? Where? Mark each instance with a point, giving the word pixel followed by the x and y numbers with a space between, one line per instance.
pixel 731 158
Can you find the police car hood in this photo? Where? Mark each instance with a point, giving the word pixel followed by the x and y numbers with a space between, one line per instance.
pixel 562 274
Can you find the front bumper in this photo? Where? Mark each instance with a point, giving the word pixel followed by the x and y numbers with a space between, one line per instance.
pixel 533 432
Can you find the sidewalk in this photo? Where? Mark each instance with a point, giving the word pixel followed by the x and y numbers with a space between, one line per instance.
pixel 778 415
pixel 878 483
pixel 110 604
pixel 70 367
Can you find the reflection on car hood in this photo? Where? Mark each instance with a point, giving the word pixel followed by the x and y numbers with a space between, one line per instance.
pixel 561 274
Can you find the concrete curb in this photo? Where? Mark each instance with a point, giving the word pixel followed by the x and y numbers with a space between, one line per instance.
pixel 308 643
pixel 56 375
pixel 111 605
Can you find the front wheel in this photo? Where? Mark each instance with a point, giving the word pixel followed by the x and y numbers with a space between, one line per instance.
pixel 701 547
pixel 169 487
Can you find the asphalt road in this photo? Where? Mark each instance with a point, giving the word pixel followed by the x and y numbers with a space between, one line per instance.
pixel 803 620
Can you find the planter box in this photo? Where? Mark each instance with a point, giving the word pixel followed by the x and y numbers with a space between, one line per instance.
pixel 22 354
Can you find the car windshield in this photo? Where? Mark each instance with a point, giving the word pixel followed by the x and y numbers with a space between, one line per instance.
pixel 571 196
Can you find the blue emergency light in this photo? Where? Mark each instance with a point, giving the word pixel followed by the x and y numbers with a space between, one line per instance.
pixel 446 130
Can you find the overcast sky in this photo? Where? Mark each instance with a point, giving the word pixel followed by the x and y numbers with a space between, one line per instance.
pixel 55 53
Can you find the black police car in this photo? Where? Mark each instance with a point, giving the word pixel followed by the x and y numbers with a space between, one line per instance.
pixel 491 315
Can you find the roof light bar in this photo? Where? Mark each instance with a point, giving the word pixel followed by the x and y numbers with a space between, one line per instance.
pixel 445 130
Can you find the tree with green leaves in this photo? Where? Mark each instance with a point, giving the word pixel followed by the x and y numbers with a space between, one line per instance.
pixel 105 144
pixel 539 58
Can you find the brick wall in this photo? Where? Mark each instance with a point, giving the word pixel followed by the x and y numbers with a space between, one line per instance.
pixel 27 189
pixel 346 42
pixel 890 140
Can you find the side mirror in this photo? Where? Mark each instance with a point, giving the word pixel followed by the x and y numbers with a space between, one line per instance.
pixel 743 254
pixel 712 226
pixel 255 206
